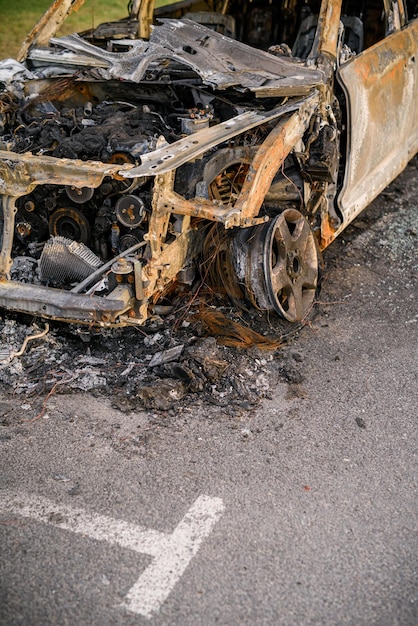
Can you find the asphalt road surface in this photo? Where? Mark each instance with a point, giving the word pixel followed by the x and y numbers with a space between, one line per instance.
pixel 302 511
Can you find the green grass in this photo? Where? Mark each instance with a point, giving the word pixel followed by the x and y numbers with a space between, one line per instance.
pixel 17 19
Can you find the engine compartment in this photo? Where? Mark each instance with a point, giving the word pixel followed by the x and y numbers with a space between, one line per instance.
pixel 102 121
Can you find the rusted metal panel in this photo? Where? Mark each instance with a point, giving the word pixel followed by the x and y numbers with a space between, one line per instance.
pixel 381 89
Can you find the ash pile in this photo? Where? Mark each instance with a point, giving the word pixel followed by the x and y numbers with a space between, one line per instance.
pixel 161 367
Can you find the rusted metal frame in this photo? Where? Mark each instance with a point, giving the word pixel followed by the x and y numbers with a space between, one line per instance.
pixel 326 37
pixel 21 173
pixel 166 201
pixel 403 12
pixel 145 12
pixel 166 259
pixel 184 150
pixel 269 158
pixel 160 214
pixel 63 305
pixel 212 210
pixel 397 11
pixel 161 269
pixel 48 25
pixel 9 213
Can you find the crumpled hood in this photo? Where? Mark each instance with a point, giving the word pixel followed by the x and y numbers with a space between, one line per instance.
pixel 220 62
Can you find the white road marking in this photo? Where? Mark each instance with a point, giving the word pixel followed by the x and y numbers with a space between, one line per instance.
pixel 172 553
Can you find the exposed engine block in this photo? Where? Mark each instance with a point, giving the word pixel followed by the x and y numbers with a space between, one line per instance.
pixel 75 120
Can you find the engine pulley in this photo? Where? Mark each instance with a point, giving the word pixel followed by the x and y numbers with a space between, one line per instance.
pixel 127 241
pixel 70 223
pixel 79 195
pixel 130 211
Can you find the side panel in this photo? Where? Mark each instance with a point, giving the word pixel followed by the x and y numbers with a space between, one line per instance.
pixel 381 87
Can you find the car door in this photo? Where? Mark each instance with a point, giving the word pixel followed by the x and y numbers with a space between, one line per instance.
pixel 380 86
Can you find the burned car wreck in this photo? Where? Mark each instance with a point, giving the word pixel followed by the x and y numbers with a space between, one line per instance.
pixel 132 156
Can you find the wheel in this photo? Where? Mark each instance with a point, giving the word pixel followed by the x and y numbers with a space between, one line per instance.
pixel 276 265
pixel 290 264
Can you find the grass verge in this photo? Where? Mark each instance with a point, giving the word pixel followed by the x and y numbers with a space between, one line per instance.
pixel 18 18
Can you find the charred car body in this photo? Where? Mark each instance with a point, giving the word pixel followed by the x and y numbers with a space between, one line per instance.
pixel 131 153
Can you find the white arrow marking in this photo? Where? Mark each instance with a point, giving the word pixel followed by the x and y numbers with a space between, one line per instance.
pixel 172 553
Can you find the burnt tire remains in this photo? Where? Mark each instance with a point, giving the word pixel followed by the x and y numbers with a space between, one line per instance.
pixel 276 265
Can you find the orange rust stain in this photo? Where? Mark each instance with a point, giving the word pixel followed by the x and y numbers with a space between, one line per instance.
pixel 327 233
